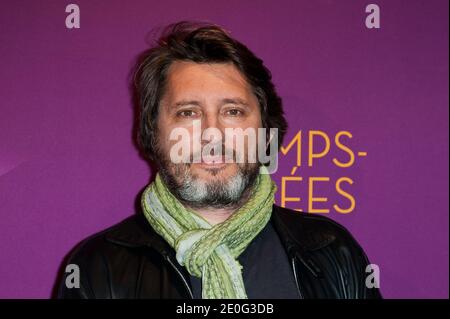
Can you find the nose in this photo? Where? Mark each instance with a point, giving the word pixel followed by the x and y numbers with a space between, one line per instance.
pixel 211 121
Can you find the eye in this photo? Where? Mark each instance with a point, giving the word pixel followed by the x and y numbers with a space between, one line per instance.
pixel 186 113
pixel 234 112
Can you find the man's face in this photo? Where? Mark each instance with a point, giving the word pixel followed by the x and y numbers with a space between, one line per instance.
pixel 214 96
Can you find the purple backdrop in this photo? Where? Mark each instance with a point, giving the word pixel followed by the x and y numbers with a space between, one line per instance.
pixel 69 168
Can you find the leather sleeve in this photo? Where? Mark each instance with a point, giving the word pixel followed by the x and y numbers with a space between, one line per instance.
pixel 346 263
pixel 93 272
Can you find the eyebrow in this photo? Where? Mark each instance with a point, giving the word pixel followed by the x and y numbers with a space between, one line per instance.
pixel 186 102
pixel 235 100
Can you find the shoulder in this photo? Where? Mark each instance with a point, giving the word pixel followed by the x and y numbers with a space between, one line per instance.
pixel 132 232
pixel 328 251
pixel 100 256
pixel 312 231
pixel 99 242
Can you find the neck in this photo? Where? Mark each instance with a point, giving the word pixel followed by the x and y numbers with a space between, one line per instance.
pixel 215 216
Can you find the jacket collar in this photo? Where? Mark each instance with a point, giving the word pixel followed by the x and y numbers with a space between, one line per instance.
pixel 291 226
pixel 134 232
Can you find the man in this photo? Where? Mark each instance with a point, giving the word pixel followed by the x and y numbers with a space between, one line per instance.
pixel 209 228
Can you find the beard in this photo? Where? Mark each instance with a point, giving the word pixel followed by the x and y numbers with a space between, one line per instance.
pixel 193 191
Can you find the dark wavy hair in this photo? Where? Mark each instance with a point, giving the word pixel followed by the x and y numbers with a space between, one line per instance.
pixel 199 43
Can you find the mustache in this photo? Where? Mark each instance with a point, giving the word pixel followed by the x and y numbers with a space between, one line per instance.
pixel 216 150
pixel 205 151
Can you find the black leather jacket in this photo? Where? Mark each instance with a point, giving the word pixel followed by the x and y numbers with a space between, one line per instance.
pixel 130 260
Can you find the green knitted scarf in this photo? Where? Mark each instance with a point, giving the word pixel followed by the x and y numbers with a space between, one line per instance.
pixel 210 252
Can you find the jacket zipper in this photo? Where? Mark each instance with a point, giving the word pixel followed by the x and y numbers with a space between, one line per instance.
pixel 294 269
pixel 188 288
pixel 191 295
pixel 186 285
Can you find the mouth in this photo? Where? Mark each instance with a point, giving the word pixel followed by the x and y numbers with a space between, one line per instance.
pixel 214 161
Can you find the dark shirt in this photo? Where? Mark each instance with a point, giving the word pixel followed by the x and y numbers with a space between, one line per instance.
pixel 267 272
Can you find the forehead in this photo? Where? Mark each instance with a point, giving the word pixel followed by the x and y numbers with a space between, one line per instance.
pixel 206 80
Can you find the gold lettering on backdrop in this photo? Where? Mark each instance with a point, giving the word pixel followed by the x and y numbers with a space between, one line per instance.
pixel 319 149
